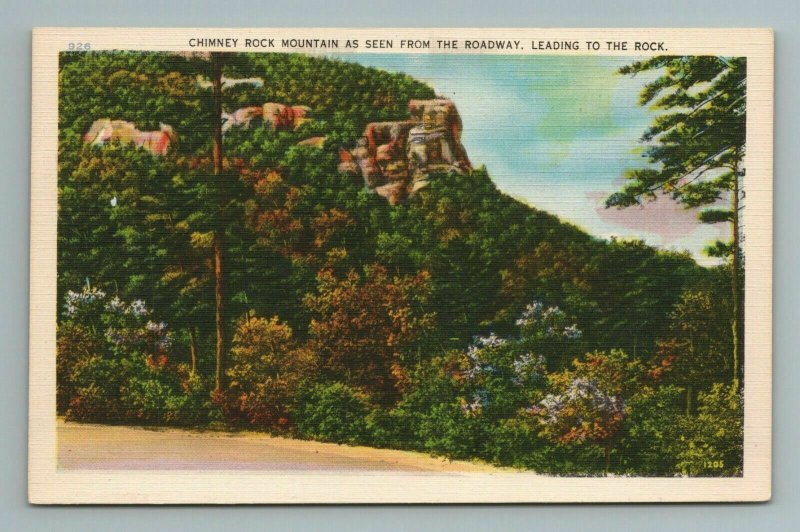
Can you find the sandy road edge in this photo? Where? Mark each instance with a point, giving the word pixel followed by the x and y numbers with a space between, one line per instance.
pixel 91 438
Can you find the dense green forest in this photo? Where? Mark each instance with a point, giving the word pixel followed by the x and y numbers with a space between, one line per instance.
pixel 243 281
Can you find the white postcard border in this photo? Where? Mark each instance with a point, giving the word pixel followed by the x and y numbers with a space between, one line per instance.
pixel 49 485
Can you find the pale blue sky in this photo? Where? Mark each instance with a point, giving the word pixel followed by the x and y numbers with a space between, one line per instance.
pixel 556 132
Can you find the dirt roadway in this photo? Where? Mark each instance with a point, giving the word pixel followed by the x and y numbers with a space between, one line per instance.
pixel 87 446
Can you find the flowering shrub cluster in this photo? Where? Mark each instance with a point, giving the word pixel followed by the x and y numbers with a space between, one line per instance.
pixel 586 403
pixel 508 399
pixel 498 399
pixel 528 369
pixel 84 301
pixel 496 366
pixel 136 308
pixel 478 360
pixel 473 402
pixel 127 329
pixel 85 307
pixel 585 411
pixel 551 322
pixel 479 399
pixel 123 372
pixel 153 336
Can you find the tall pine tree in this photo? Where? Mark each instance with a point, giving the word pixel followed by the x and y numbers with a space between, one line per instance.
pixel 697 148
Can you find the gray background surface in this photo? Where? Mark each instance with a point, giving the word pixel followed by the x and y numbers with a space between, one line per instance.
pixel 16 21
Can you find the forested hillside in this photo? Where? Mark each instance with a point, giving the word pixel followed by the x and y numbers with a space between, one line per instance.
pixel 276 292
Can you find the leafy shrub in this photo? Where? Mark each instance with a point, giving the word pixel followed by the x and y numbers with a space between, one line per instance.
pixel 712 441
pixel 447 430
pixel 440 413
pixel 95 384
pixel 515 442
pixel 362 325
pixel 382 430
pixel 145 398
pixel 431 386
pixel 646 445
pixel 334 412
pixel 74 344
pixel 152 394
pixel 267 369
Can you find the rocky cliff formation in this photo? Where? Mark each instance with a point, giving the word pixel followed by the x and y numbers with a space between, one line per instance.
pixel 396 159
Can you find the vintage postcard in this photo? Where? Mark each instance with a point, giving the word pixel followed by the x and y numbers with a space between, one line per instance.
pixel 400 265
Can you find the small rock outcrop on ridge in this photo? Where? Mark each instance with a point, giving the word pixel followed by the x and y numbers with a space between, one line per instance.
pixel 278 116
pixel 106 130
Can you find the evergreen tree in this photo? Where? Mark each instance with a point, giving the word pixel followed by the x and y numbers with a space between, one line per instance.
pixel 697 147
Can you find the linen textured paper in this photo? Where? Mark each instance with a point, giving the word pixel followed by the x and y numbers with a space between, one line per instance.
pixel 400 265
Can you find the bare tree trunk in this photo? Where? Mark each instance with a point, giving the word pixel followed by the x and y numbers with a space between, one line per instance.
pixel 219 301
pixel 689 393
pixel 220 314
pixel 736 266
pixel 692 352
pixel 193 348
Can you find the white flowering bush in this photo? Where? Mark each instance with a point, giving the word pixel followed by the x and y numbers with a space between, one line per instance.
pixel 548 332
pixel 586 404
pixel 479 355
pixel 516 361
pixel 528 369
pixel 153 338
pixel 538 322
pixel 116 364
pixel 586 393
pixel 85 307
pixel 127 327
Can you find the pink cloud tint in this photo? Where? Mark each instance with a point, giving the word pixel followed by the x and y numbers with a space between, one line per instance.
pixel 662 217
